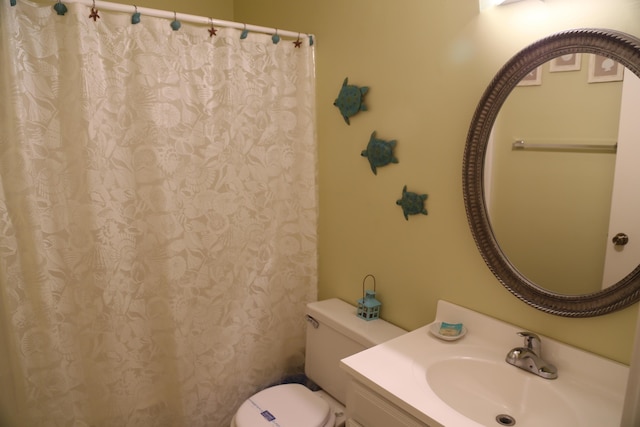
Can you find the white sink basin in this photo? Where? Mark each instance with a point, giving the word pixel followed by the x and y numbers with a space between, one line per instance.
pixel 494 393
pixel 468 383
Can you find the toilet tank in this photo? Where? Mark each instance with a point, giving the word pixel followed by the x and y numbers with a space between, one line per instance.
pixel 335 332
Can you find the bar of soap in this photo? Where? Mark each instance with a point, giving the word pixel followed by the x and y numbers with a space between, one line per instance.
pixel 450 329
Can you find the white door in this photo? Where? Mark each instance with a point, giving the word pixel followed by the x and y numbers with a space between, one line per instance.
pixel 620 260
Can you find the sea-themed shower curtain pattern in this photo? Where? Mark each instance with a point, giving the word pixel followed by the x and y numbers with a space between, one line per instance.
pixel 157 218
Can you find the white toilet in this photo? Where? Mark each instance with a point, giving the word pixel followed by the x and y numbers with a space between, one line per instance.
pixel 333 333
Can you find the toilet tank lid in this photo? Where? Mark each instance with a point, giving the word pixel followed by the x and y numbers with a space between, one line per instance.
pixel 342 317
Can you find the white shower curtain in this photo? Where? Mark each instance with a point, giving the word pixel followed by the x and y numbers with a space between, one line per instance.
pixel 158 215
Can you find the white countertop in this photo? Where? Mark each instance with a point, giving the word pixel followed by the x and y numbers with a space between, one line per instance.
pixel 396 369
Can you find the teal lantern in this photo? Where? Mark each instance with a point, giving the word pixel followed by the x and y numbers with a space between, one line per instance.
pixel 368 305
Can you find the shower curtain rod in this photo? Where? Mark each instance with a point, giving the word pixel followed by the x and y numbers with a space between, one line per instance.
pixel 183 17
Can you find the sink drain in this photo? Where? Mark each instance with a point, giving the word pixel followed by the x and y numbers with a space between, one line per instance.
pixel 505 420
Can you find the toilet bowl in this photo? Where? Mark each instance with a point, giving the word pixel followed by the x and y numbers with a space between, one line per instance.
pixel 333 333
pixel 288 405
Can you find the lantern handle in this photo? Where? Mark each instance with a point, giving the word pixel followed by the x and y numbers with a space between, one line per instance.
pixel 365 279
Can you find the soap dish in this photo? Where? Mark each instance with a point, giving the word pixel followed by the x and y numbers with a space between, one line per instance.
pixel 435 330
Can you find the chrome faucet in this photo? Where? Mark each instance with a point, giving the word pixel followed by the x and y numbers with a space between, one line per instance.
pixel 529 357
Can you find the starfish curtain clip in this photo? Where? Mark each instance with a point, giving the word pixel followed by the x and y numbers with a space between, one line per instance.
pixel 297 43
pixel 94 12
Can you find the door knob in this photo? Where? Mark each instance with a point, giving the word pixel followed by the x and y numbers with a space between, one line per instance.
pixel 620 239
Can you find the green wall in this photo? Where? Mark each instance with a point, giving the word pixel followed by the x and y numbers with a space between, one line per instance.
pixel 427 63
pixel 217 9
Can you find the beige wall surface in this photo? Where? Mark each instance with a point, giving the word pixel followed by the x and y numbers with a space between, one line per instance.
pixel 427 63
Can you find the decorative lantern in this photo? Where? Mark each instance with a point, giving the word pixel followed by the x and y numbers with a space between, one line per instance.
pixel 368 305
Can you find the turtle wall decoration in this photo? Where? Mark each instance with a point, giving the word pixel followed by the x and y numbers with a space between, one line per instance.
pixel 379 152
pixel 412 203
pixel 350 100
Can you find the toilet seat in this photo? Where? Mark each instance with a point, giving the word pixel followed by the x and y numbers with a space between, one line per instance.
pixel 286 405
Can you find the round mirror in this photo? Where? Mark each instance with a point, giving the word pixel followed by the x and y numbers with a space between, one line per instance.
pixel 535 275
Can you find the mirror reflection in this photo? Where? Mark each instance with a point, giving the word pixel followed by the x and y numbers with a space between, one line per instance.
pixel 549 202
pixel 543 217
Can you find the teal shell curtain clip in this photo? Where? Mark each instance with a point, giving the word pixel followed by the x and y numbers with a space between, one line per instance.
pixel 275 38
pixel 175 24
pixel 244 33
pixel 12 2
pixel 60 8
pixel 135 18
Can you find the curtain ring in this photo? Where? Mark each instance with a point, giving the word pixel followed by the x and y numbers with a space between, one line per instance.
pixel 212 30
pixel 275 38
pixel 244 33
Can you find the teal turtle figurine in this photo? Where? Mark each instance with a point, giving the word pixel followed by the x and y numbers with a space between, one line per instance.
pixel 412 203
pixel 379 152
pixel 350 100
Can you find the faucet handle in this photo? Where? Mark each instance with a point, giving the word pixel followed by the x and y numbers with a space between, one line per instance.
pixel 531 341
